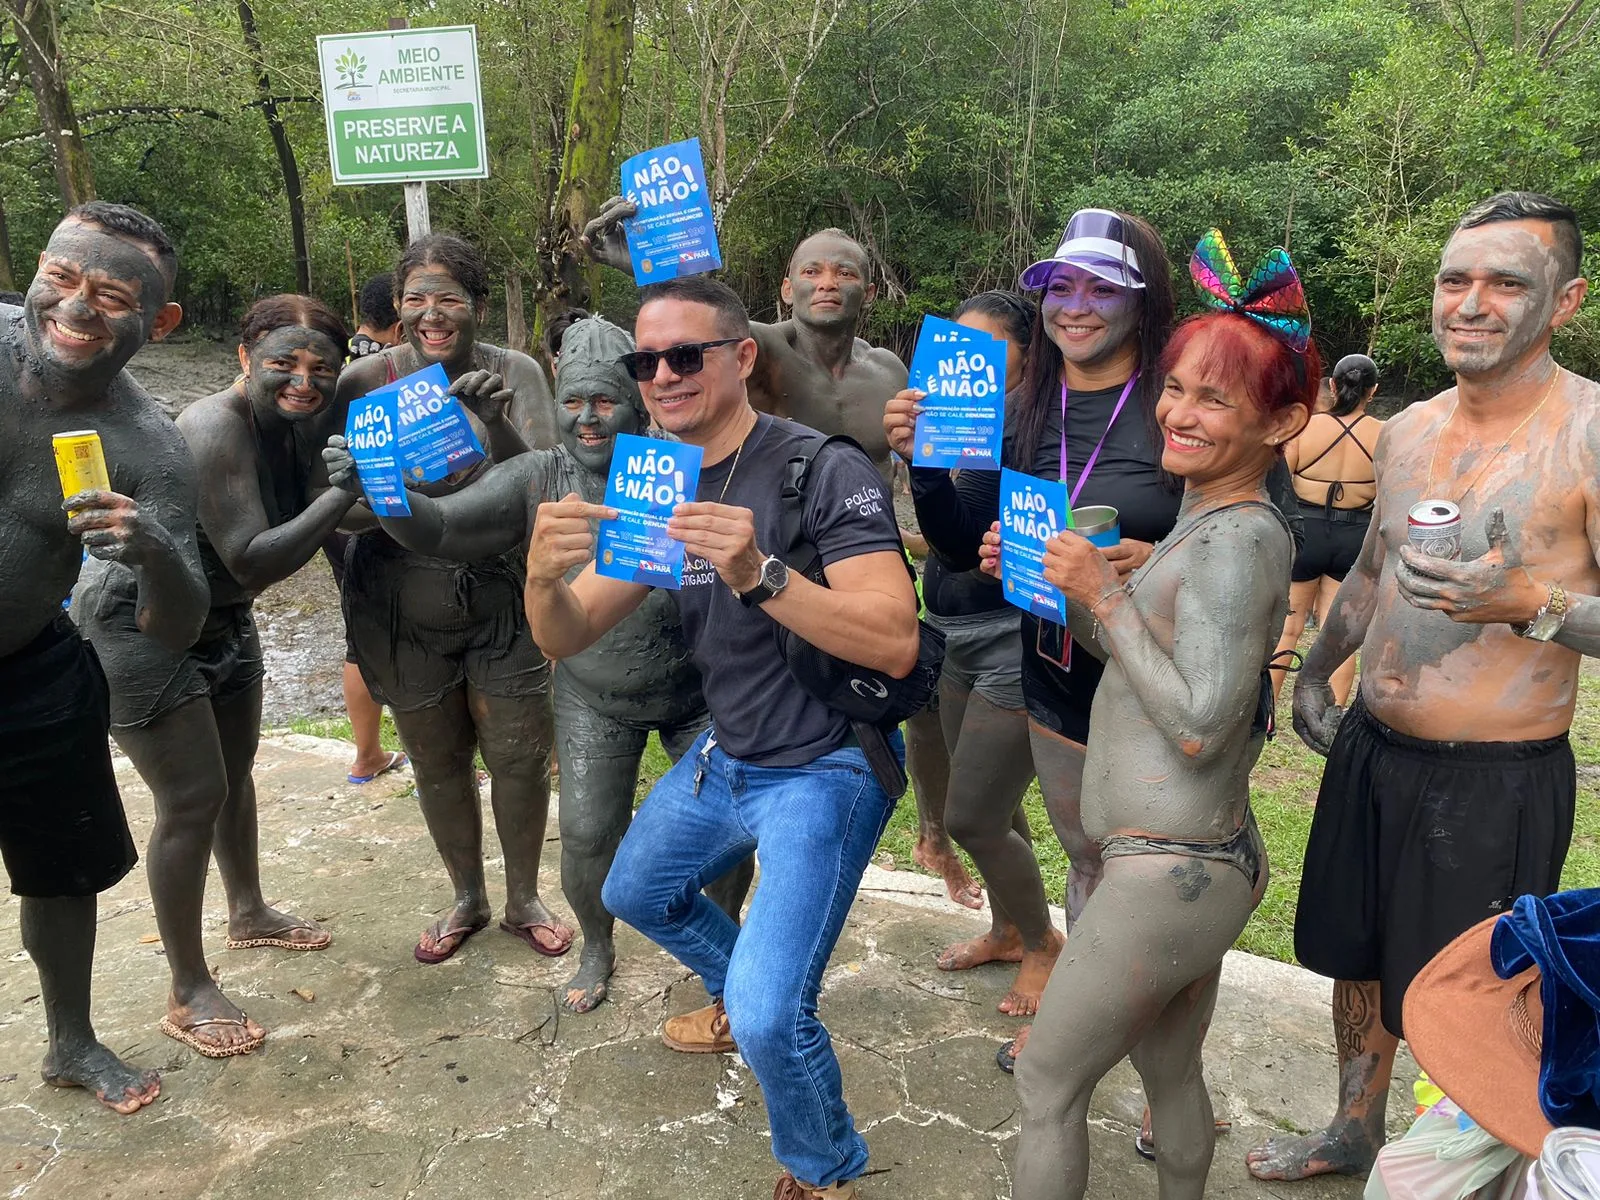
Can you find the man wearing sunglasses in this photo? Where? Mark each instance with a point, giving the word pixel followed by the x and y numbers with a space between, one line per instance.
pixel 813 369
pixel 779 772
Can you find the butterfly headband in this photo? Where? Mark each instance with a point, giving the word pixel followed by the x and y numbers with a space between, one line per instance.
pixel 1273 297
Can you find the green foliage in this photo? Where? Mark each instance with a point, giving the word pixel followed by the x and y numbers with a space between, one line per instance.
pixel 952 136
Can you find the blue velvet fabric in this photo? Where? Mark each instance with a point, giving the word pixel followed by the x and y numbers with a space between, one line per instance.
pixel 1560 934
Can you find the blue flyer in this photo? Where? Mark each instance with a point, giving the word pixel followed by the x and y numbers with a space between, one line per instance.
pixel 674 233
pixel 1032 511
pixel 435 438
pixel 649 478
pixel 963 373
pixel 369 432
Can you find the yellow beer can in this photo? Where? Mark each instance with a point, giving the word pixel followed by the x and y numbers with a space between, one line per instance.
pixel 81 462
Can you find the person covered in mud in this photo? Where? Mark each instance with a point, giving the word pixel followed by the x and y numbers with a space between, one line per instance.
pixel 982 706
pixel 99 295
pixel 190 721
pixel 1179 718
pixel 443 642
pixel 813 369
pixel 1470 653
pixel 636 679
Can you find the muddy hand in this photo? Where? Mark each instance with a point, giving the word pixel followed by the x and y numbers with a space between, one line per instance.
pixel 1492 589
pixel 604 237
pixel 1078 568
pixel 1316 714
pixel 113 527
pixel 562 538
pixel 484 393
pixel 900 420
pixel 341 465
pixel 1127 556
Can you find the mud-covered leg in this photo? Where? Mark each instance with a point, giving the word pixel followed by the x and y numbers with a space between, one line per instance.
pixel 1168 1060
pixel 1059 763
pixel 237 840
pixel 515 735
pixel 597 789
pixel 58 934
pixel 1351 1141
pixel 928 765
pixel 440 742
pixel 179 756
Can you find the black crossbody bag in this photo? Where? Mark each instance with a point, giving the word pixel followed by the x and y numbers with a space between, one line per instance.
pixel 875 702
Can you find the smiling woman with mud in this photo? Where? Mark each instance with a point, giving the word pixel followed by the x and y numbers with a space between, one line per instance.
pixel 191 721
pixel 1178 720
pixel 440 637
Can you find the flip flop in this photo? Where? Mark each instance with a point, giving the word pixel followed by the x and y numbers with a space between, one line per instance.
pixel 525 932
pixel 396 761
pixel 278 942
pixel 432 957
pixel 185 1034
pixel 1145 1147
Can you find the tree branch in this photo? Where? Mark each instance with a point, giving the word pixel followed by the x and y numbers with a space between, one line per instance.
pixel 1555 30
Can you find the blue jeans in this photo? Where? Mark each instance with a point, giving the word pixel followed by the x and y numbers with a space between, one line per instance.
pixel 815 828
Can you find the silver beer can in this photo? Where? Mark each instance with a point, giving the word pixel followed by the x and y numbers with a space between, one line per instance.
pixel 1434 527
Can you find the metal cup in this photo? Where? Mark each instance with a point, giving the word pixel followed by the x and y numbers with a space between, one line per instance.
pixel 1098 524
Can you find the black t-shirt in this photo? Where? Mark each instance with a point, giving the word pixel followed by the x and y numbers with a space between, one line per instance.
pixel 761 714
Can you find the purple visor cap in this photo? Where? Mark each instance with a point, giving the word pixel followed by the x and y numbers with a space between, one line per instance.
pixel 1093 240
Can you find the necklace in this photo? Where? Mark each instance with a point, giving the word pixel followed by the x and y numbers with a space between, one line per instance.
pixel 735 466
pixel 1521 425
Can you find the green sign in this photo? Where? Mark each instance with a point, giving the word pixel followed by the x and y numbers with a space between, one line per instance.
pixel 403 105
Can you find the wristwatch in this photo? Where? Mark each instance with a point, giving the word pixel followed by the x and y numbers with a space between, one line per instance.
pixel 1547 621
pixel 774 578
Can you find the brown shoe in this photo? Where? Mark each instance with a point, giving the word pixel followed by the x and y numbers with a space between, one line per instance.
pixel 703 1031
pixel 790 1188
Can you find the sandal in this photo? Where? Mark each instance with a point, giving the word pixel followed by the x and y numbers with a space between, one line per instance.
pixel 186 1035
pixel 447 950
pixel 279 942
pixel 525 932
pixel 396 761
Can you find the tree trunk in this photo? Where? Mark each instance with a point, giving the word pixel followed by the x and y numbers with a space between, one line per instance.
pixel 37 30
pixel 593 118
pixel 8 281
pixel 280 142
pixel 516 315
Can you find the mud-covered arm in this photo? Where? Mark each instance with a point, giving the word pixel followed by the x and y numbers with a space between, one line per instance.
pixel 150 529
pixel 1234 575
pixel 255 552
pixel 485 518
pixel 955 513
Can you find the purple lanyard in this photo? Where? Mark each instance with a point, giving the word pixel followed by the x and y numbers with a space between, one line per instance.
pixel 1127 390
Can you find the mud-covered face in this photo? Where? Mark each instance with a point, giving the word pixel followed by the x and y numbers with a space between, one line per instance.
pixel 94 301
pixel 1212 429
pixel 589 425
pixel 1089 319
pixel 1496 294
pixel 827 281
pixel 291 372
pixel 439 316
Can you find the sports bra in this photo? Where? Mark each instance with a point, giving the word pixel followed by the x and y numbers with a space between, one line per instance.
pixel 1336 486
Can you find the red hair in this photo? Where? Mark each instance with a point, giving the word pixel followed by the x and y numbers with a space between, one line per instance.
pixel 1239 352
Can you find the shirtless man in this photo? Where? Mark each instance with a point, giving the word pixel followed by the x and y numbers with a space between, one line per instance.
pixel 813 369
pixel 191 721
pixel 1450 784
pixel 99 295
pixel 636 679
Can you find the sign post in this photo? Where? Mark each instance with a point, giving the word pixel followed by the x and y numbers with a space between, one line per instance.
pixel 404 106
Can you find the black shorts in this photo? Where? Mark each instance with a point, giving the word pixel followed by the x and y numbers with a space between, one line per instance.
pixel 1058 698
pixel 421 627
pixel 1333 538
pixel 148 680
pixel 62 828
pixel 1415 842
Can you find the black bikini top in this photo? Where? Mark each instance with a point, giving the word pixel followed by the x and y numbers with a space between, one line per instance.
pixel 1336 486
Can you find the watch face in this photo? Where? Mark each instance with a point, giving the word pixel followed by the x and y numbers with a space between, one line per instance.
pixel 774 574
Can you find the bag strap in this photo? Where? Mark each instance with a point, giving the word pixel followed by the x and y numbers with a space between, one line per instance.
pixel 795 549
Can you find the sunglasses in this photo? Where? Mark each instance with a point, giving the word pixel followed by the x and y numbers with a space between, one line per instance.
pixel 687 359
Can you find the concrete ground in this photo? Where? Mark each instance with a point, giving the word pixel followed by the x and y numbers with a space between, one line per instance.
pixel 384 1078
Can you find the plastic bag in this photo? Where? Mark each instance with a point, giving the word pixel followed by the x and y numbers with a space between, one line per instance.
pixel 1446 1156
